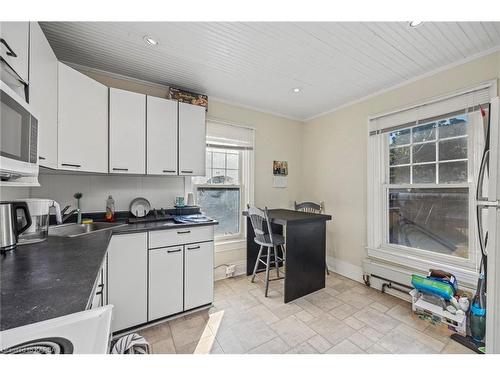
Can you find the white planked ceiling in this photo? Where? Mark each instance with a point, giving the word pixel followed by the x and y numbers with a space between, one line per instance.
pixel 258 64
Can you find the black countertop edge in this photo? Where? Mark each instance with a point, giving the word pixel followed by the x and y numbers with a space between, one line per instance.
pixel 285 216
pixel 158 225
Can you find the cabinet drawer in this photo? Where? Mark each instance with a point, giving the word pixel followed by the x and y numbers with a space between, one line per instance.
pixel 172 237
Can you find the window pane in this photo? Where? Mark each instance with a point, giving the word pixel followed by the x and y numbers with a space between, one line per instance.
pixel 208 160
pixel 232 175
pixel 453 127
pixel 453 149
pixel 424 152
pixel 430 219
pixel 424 174
pixel 400 155
pixel 400 175
pixel 232 161
pixel 219 160
pixel 222 204
pixel 400 137
pixel 424 133
pixel 453 172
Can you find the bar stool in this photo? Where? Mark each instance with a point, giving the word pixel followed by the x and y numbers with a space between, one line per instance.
pixel 313 208
pixel 266 239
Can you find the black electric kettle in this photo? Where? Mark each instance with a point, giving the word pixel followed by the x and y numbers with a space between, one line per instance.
pixel 10 227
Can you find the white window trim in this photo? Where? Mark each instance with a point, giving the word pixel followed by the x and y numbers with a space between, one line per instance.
pixel 247 182
pixel 377 220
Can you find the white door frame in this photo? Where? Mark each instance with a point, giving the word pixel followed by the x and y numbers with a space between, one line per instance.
pixel 493 276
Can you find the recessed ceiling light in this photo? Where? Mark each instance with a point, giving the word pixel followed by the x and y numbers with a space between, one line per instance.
pixel 415 24
pixel 150 41
pixel 296 90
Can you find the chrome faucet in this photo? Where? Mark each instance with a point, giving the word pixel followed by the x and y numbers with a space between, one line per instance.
pixel 66 216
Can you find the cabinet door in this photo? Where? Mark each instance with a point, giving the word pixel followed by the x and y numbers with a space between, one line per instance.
pixel 192 140
pixel 127 132
pixel 14 50
pixel 198 274
pixel 161 136
pixel 82 122
pixel 165 282
pixel 43 94
pixel 127 279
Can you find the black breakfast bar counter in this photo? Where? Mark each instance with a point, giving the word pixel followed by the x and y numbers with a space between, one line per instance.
pixel 305 237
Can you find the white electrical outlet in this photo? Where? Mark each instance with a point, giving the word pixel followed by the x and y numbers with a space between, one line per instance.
pixel 230 270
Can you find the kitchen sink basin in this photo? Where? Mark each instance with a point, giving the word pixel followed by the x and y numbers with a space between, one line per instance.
pixel 74 230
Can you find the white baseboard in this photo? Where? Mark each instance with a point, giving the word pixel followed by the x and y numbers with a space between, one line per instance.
pixel 345 269
pixel 341 267
pixel 241 269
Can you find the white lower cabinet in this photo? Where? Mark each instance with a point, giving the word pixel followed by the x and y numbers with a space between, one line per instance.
pixel 165 281
pixel 198 274
pixel 145 284
pixel 128 279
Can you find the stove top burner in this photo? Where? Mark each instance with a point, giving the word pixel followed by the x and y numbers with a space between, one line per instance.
pixel 48 345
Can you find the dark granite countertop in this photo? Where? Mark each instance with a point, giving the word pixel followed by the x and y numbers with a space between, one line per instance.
pixel 56 277
pixel 49 279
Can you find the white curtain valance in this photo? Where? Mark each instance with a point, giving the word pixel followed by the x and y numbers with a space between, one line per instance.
pixel 221 134
pixel 466 101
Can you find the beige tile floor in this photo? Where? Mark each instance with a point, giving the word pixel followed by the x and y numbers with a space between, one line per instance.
pixel 345 317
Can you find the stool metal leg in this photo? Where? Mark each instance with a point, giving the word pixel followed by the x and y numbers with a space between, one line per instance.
pixel 257 263
pixel 276 263
pixel 267 269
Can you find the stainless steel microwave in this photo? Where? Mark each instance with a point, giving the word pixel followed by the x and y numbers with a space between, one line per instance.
pixel 18 137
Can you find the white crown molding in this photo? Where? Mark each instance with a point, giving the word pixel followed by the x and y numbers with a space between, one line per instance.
pixel 257 109
pixel 476 56
pixel 83 68
pixel 409 81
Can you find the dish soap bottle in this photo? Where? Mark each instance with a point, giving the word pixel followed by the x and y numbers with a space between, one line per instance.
pixel 110 209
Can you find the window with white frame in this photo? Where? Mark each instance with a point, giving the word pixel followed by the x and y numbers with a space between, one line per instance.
pixel 422 172
pixel 227 185
pixel 434 216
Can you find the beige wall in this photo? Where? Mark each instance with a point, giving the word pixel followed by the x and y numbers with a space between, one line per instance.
pixel 334 161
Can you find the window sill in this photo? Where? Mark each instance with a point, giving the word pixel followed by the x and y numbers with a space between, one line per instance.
pixel 222 245
pixel 464 274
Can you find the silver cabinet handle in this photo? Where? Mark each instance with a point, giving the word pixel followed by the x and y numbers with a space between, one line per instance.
pixel 187 171
pixel 183 231
pixel 120 169
pixel 193 248
pixel 173 251
pixel 41 158
pixel 71 165
pixel 168 171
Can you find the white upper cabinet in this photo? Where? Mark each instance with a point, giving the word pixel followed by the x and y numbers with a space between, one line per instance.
pixel 192 140
pixel 43 94
pixel 161 136
pixel 127 132
pixel 82 122
pixel 14 48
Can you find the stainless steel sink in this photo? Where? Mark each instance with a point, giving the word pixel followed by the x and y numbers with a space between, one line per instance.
pixel 75 230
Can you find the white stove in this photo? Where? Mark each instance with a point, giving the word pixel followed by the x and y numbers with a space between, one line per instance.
pixel 85 332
